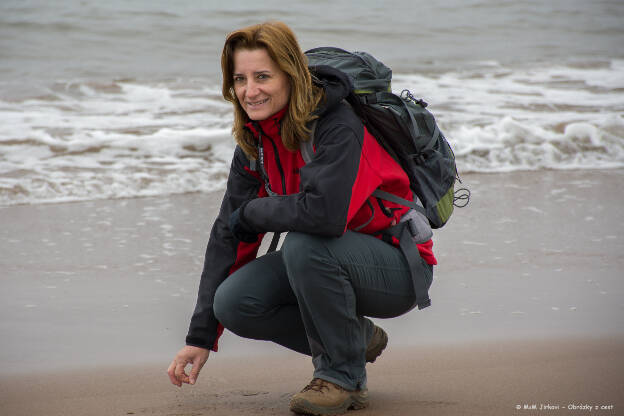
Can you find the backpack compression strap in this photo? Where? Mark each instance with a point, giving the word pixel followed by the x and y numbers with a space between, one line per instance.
pixel 402 233
pixel 398 200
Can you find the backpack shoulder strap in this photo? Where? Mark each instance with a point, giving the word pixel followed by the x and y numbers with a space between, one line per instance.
pixel 398 200
pixel 307 146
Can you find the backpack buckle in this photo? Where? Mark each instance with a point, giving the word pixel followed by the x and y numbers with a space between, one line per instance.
pixel 419 158
pixel 369 98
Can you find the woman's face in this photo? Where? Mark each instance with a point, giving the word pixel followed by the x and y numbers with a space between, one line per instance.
pixel 261 87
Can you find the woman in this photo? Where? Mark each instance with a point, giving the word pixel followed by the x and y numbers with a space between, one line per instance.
pixel 313 294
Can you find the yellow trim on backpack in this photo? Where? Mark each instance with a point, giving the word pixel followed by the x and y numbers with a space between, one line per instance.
pixel 445 205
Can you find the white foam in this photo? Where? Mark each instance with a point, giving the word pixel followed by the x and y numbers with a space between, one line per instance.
pixel 474 243
pixel 499 119
pixel 88 143
pixel 80 140
pixel 534 209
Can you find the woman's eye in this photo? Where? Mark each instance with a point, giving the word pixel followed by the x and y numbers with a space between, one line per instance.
pixel 263 76
pixel 239 79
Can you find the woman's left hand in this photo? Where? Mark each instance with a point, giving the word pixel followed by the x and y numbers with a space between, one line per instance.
pixel 239 226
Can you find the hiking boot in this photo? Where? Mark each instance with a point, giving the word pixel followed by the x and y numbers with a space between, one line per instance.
pixel 376 345
pixel 322 397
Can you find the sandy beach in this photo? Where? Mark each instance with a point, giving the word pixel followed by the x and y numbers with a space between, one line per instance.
pixel 527 306
pixel 467 379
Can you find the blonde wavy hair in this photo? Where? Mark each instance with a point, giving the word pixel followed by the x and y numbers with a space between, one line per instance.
pixel 282 46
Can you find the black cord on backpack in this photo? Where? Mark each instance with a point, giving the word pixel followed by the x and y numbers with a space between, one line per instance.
pixel 461 194
pixel 407 95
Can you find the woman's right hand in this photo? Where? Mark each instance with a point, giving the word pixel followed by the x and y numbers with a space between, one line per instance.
pixel 187 355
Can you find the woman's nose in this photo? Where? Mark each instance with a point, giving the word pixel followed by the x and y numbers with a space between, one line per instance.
pixel 252 89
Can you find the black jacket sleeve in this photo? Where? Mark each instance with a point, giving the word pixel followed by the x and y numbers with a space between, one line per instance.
pixel 222 252
pixel 322 204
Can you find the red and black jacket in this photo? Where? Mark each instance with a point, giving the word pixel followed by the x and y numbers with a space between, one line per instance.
pixel 327 196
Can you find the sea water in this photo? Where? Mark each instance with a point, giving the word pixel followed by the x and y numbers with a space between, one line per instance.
pixel 123 99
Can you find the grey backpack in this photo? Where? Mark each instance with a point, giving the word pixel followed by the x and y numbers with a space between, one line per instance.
pixel 405 129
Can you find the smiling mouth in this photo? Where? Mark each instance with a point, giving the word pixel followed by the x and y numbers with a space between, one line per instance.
pixel 257 103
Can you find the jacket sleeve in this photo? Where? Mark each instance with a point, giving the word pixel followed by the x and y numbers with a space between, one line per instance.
pixel 224 254
pixel 333 187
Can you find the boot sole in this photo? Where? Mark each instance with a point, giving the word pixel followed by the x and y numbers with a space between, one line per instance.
pixel 356 401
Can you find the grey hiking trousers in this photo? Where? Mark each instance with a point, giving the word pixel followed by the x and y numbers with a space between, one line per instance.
pixel 312 296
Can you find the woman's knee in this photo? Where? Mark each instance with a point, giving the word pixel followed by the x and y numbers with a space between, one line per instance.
pixel 237 311
pixel 224 306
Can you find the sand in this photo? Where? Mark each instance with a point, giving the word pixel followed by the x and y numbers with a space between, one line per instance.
pixel 473 379
pixel 527 305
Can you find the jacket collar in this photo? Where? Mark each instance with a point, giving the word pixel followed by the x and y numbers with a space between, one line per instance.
pixel 270 126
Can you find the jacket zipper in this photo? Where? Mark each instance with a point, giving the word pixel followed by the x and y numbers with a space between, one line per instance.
pixel 279 164
pixel 277 158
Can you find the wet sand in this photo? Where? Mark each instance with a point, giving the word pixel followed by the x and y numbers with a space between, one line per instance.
pixel 527 304
pixel 467 379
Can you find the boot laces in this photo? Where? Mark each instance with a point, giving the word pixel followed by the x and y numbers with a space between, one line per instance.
pixel 318 384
